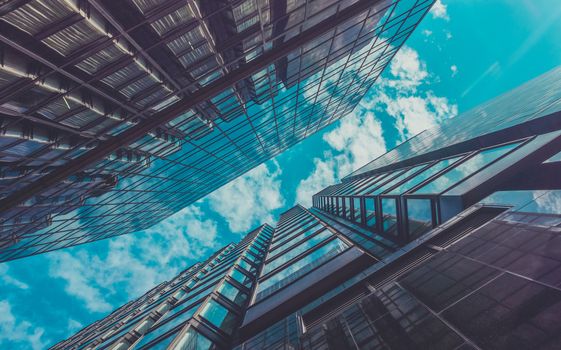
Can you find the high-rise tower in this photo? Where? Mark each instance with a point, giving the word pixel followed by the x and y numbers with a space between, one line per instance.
pixel 452 240
pixel 116 114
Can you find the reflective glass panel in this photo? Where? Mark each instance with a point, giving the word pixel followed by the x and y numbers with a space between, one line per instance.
pixel 465 169
pixel 240 277
pixel 305 264
pixel 357 210
pixel 370 208
pixel 294 252
pixel 398 179
pixel 347 213
pixel 389 216
pixel 419 216
pixel 234 294
pixel 417 179
pixel 219 316
pixel 193 340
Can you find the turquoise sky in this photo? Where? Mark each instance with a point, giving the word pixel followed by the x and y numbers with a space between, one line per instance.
pixel 463 53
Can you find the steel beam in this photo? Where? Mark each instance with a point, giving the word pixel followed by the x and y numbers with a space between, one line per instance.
pixel 105 148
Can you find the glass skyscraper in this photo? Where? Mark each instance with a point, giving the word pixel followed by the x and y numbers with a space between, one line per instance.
pixel 452 240
pixel 116 114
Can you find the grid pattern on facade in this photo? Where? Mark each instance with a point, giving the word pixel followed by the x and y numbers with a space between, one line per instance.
pixel 201 307
pixel 86 72
pixel 401 205
pixel 496 288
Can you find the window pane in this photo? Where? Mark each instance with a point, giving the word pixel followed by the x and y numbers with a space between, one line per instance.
pixel 219 316
pixel 398 179
pixel 234 294
pixel 347 213
pixel 370 212
pixel 389 216
pixel 300 267
pixel 407 185
pixel 419 217
pixel 465 169
pixel 240 277
pixel 193 340
pixel 291 254
pixel 357 210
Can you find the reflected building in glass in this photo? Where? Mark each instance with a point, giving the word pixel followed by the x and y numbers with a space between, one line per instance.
pixel 116 114
pixel 452 240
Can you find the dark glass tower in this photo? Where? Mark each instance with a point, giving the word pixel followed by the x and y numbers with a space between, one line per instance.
pixel 116 114
pixel 452 240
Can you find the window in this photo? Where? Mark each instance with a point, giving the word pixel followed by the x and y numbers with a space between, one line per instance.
pixel 292 253
pixel 419 217
pixel 357 210
pixel 425 174
pixel 219 316
pixel 389 216
pixel 464 169
pixel 240 277
pixel 232 293
pixel 300 267
pixel 370 212
pixel 193 340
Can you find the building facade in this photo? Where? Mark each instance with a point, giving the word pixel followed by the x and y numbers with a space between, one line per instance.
pixel 452 240
pixel 116 114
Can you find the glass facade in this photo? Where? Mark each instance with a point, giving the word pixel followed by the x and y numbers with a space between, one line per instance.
pixel 136 109
pixel 453 248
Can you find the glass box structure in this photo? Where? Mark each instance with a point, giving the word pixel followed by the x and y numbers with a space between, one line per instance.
pixel 452 240
pixel 116 114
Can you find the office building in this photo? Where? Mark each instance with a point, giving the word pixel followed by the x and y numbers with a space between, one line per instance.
pixel 452 240
pixel 117 114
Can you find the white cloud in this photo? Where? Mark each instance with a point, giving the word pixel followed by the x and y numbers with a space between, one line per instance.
pixel 249 200
pixel 21 334
pixel 407 69
pixel 454 70
pixel 356 140
pixel 439 10
pixel 135 262
pixel 73 326
pixel 9 280
pixel 427 32
pixel 403 94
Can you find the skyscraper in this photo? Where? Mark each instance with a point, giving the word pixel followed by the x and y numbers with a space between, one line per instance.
pixel 452 240
pixel 117 114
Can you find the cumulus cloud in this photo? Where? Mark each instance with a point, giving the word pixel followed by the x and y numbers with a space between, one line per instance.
pixel 454 70
pixel 356 140
pixel 7 279
pixel 16 334
pixel 439 10
pixel 405 96
pixel 135 262
pixel 250 200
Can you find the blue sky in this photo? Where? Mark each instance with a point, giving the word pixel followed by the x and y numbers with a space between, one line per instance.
pixel 463 53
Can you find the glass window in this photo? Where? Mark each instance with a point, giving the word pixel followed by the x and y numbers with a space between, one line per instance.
pixel 465 169
pixel 357 210
pixel 346 207
pixel 419 217
pixel 339 206
pixel 219 316
pixel 294 252
pixel 389 216
pixel 246 266
pixel 240 277
pixel 193 340
pixel 425 174
pixel 370 208
pixel 232 293
pixel 303 265
pixel 161 328
pixel 398 179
